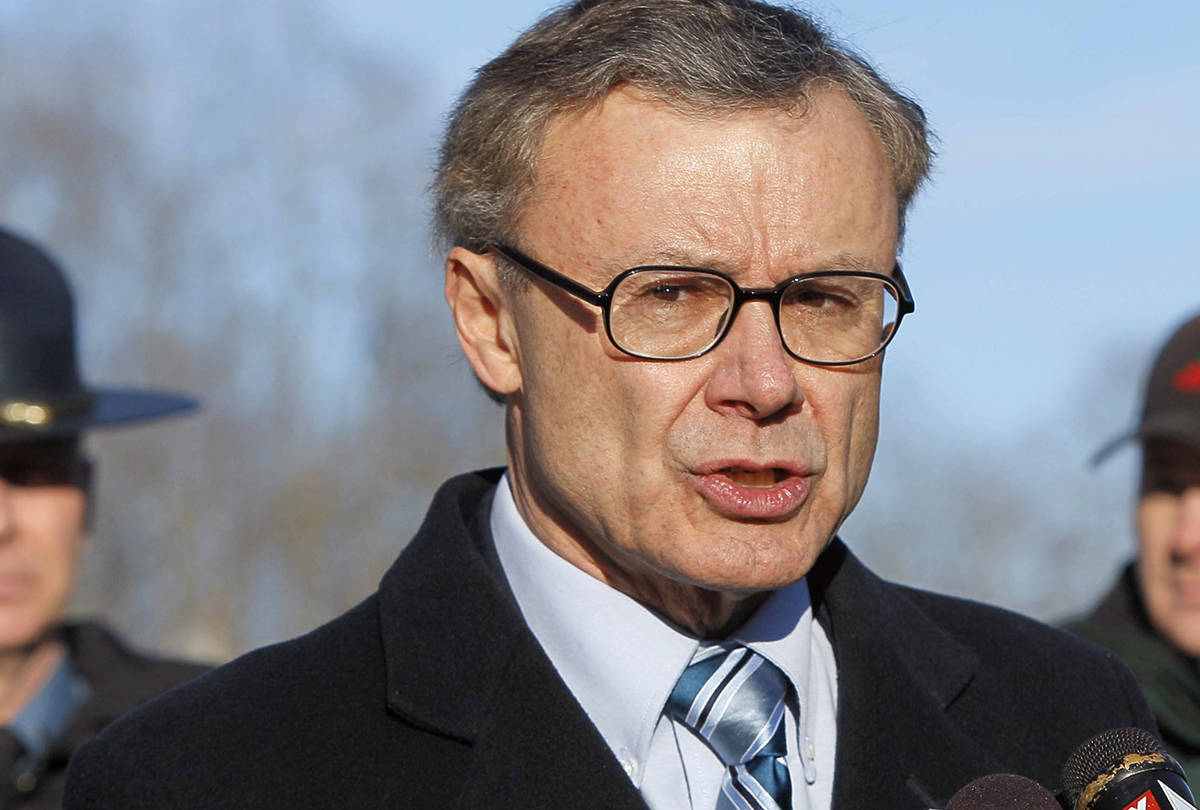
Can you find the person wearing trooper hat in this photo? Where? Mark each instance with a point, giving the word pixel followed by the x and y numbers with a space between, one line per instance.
pixel 60 682
pixel 1151 617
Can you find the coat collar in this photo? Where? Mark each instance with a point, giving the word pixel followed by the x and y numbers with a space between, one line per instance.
pixel 442 587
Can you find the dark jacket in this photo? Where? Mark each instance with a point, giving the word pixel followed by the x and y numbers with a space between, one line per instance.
pixel 433 693
pixel 118 680
pixel 1169 678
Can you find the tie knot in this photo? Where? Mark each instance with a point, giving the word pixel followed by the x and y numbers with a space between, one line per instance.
pixel 734 699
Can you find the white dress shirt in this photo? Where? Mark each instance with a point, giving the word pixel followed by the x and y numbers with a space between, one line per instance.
pixel 621 660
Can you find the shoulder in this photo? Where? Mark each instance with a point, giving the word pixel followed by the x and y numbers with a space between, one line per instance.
pixel 99 652
pixel 986 626
pixel 302 694
pixel 343 651
pixel 934 632
pixel 92 640
pixel 1026 658
pixel 982 664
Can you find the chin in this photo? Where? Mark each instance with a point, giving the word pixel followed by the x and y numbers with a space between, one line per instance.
pixel 19 632
pixel 749 578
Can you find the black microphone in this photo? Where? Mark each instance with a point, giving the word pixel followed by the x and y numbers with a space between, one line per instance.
pixel 1003 791
pixel 1125 769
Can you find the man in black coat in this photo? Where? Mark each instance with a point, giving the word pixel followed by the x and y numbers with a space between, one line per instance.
pixel 672 231
pixel 60 682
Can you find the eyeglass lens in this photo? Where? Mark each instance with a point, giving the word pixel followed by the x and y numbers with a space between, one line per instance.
pixel 665 313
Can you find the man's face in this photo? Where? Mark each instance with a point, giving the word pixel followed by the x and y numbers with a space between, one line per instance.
pixel 1168 525
pixel 42 512
pixel 730 472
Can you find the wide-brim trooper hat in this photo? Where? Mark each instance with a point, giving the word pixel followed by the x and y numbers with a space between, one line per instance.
pixel 41 392
pixel 1171 406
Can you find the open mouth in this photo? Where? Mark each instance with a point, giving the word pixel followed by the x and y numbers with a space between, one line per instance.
pixel 745 491
pixel 755 478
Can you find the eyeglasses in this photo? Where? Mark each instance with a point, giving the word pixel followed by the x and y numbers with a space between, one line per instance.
pixel 827 318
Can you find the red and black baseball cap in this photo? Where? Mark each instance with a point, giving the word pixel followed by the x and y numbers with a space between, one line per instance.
pixel 1171 408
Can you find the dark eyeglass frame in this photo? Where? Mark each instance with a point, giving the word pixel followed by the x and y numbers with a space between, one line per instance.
pixel 773 295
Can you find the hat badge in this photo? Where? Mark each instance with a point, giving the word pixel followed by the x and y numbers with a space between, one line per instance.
pixel 26 414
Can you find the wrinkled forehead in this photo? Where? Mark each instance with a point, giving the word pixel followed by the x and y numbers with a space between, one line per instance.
pixel 765 181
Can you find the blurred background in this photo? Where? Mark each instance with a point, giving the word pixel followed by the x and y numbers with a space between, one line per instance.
pixel 238 192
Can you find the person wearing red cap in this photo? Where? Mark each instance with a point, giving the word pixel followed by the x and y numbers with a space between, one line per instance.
pixel 60 682
pixel 1151 617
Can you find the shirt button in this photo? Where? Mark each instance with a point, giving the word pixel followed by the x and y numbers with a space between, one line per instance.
pixel 630 767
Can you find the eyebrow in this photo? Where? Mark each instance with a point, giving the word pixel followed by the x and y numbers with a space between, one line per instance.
pixel 846 260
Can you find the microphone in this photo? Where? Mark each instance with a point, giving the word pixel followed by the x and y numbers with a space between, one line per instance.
pixel 1125 769
pixel 1003 791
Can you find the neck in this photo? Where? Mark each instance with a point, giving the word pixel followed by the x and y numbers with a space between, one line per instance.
pixel 703 612
pixel 24 671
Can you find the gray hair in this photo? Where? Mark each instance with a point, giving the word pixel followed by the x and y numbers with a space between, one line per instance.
pixel 702 57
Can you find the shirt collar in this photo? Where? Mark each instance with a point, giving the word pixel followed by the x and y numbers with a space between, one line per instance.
pixel 780 631
pixel 45 717
pixel 618 657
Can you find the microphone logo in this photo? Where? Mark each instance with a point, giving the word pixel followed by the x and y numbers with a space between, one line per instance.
pixel 1147 800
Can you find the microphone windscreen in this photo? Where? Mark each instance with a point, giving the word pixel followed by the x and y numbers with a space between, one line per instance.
pixel 1120 763
pixel 1104 753
pixel 1003 791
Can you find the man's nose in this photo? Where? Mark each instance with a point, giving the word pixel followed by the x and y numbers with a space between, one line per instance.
pixel 755 376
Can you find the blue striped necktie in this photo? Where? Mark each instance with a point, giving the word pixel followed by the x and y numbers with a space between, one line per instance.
pixel 733 698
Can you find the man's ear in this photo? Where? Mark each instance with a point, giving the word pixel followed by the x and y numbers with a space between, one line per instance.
pixel 483 319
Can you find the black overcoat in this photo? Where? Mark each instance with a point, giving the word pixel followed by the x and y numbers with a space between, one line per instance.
pixel 433 693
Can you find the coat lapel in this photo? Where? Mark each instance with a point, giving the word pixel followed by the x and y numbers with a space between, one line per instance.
pixel 898 675
pixel 462 663
pixel 540 750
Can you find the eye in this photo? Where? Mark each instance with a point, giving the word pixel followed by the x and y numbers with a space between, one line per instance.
pixel 669 292
pixel 817 298
pixel 672 287
pixel 810 295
